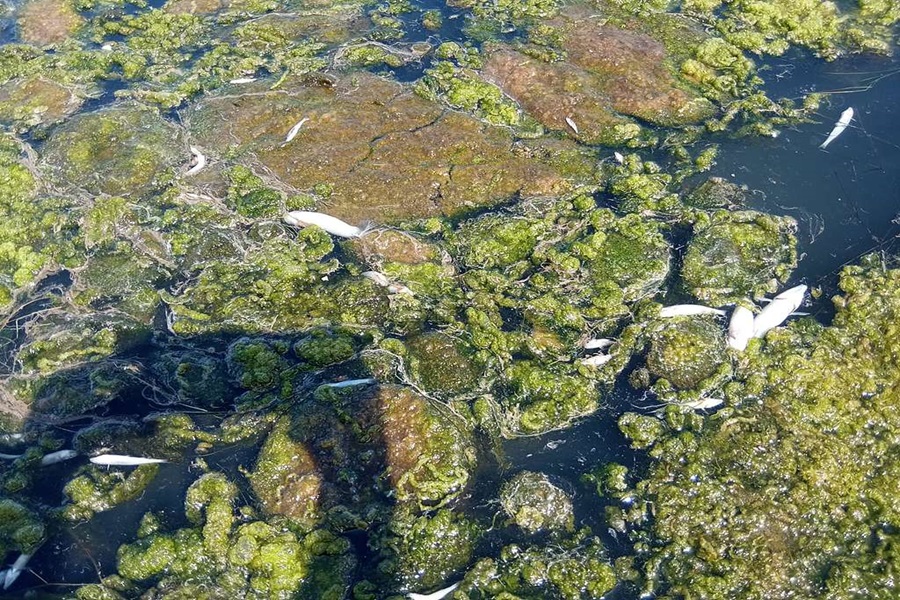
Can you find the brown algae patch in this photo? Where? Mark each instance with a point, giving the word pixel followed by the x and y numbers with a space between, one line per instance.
pixel 36 101
pixel 372 149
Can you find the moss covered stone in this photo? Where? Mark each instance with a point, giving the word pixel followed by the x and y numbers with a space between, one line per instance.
pixel 687 350
pixel 442 364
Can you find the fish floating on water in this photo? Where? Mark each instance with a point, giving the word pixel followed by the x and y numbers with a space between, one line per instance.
pixel 121 460
pixel 740 328
pixel 434 595
pixel 333 225
pixel 350 383
pixel 775 313
pixel 199 162
pixel 839 127
pixel 382 280
pixel 688 310
pixel 572 124
pixel 295 130
pixel 11 574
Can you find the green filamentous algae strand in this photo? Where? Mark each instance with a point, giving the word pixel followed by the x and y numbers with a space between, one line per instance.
pixel 314 299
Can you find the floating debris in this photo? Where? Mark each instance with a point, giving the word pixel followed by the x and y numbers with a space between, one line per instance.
pixel 779 309
pixel 688 310
pixel 198 161
pixel 839 127
pixel 572 124
pixel 121 460
pixel 295 130
pixel 740 328
pixel 333 225
pixel 434 595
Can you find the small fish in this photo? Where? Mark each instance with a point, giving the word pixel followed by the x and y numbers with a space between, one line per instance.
pixel 779 309
pixel 688 310
pixel 598 360
pixel 379 278
pixel 434 595
pixel 58 457
pixel 740 328
pixel 121 460
pixel 598 344
pixel 704 403
pixel 199 162
pixel 839 127
pixel 15 570
pixel 333 225
pixel 295 130
pixel 243 80
pixel 350 383
pixel 620 158
pixel 572 124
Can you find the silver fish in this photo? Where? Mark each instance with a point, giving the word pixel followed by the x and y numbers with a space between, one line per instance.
pixel 839 127
pixel 688 310
pixel 333 225
pixel 740 328
pixel 778 310
pixel 121 460
pixel 15 570
pixel 434 595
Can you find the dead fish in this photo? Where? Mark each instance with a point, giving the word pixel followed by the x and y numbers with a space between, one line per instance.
pixel 839 127
pixel 598 344
pixel 333 225
pixel 350 383
pixel 688 310
pixel 10 456
pixel 572 124
pixel 199 162
pixel 704 403
pixel 121 460
pixel 778 310
pixel 620 158
pixel 434 595
pixel 379 278
pixel 295 130
pixel 243 80
pixel 58 457
pixel 740 328
pixel 15 570
pixel 598 360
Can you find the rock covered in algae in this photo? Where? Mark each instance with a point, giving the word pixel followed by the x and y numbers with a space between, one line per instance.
pixel 789 494
pixel 374 149
pixel 733 255
pixel 20 528
pixel 99 489
pixel 535 504
pixel 124 150
pixel 442 364
pixel 34 101
pixel 608 75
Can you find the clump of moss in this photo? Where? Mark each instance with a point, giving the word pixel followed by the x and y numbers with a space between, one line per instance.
pixel 441 364
pixel 685 351
pixel 20 528
pixel 249 196
pixel 535 504
pixel 539 399
pixel 736 255
pixel 256 364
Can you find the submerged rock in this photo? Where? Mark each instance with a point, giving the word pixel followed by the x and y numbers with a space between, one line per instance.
pixel 44 22
pixel 372 149
pixel 34 101
pixel 535 504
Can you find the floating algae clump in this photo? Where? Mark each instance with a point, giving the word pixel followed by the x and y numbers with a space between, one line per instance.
pixel 98 490
pixel 686 351
pixel 535 504
pixel 126 150
pixel 20 528
pixel 792 493
pixel 740 254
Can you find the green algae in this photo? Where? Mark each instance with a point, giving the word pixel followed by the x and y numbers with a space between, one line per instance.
pixel 20 528
pixel 98 490
pixel 686 351
pixel 535 504
pixel 736 255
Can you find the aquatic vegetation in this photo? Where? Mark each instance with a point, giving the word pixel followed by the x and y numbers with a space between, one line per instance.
pixel 98 490
pixel 735 255
pixel 535 504
pixel 783 465
pixel 21 529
